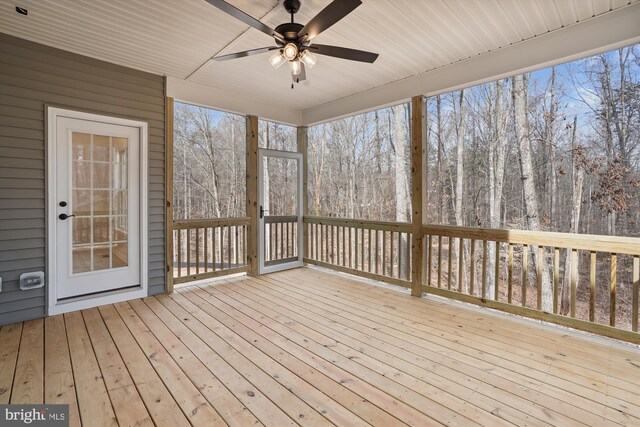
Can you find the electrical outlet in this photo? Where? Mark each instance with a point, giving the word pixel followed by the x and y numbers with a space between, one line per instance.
pixel 31 280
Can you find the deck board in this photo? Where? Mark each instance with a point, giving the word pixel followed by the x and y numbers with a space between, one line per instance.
pixel 306 347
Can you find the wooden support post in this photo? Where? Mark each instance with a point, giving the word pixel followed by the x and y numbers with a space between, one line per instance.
pixel 302 138
pixel 168 185
pixel 252 194
pixel 418 199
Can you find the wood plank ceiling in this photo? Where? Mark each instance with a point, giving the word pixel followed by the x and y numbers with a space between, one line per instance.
pixel 178 38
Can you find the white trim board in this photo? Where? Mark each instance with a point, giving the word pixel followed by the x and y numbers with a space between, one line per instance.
pixel 220 99
pixel 109 297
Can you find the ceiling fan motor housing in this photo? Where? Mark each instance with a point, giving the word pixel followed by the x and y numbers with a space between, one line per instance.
pixel 289 31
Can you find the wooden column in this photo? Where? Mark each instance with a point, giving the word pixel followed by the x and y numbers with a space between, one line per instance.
pixel 302 148
pixel 418 198
pixel 252 194
pixel 168 185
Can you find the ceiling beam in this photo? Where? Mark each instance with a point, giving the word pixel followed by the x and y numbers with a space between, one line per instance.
pixel 224 100
pixel 609 31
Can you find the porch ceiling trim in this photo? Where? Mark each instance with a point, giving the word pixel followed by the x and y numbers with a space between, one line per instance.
pixel 208 96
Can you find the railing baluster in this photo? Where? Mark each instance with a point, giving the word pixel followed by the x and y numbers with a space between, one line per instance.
pixel 539 274
pixel 525 271
pixel 350 249
pixel 429 254
pixel 449 262
pixel 344 246
pixel 408 257
pixel 220 234
pixel 460 264
pixel 214 247
pixel 179 252
pixel 496 289
pixel 485 244
pixel 384 253
pixel 237 249
pixel 363 260
pixel 556 278
pixel 197 250
pixel 510 274
pixel 229 239
pixel 612 293
pixel 636 291
pixel 370 250
pixel 472 267
pixel 439 261
pixel 189 252
pixel 377 261
pixel 592 286
pixel 205 236
pixel 574 281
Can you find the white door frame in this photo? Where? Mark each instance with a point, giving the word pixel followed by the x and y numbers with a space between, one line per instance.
pixel 262 268
pixel 108 297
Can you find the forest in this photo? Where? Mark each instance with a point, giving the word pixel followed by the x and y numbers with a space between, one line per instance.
pixel 556 149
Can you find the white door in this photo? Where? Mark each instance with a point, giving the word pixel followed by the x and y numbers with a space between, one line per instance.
pixel 96 191
pixel 279 210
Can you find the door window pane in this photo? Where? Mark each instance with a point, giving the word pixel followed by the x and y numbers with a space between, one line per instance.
pixel 99 202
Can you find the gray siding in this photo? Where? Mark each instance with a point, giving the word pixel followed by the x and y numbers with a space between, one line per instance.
pixel 32 76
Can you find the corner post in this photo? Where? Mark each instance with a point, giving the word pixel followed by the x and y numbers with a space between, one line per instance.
pixel 168 185
pixel 418 199
pixel 302 138
pixel 252 193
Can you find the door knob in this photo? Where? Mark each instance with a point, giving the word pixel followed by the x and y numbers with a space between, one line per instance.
pixel 64 216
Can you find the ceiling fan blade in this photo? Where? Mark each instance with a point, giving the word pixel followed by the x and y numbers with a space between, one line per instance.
pixel 328 16
pixel 344 53
pixel 300 77
pixel 244 53
pixel 247 19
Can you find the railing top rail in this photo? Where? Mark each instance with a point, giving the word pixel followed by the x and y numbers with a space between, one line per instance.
pixel 183 224
pixel 271 219
pixel 360 223
pixel 589 242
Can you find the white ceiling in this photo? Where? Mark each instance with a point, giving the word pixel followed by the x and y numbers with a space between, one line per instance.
pixel 177 38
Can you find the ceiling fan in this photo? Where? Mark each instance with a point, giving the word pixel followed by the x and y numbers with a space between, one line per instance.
pixel 294 40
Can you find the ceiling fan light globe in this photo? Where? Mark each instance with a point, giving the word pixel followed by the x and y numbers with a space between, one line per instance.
pixel 296 67
pixel 308 58
pixel 276 60
pixel 290 51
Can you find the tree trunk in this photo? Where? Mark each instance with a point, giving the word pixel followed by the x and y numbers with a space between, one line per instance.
pixel 532 214
pixel 402 185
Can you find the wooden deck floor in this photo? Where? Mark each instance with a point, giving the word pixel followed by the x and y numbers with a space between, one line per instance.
pixel 305 347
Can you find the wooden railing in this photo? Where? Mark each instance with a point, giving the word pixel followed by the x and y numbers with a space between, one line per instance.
pixel 584 281
pixel 205 248
pixel 374 249
pixel 280 239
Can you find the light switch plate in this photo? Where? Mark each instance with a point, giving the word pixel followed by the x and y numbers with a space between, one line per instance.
pixel 31 280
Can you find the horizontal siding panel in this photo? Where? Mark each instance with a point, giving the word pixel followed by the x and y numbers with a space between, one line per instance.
pixel 13 142
pixel 31 233
pixel 21 254
pixel 48 55
pixel 79 75
pixel 21 173
pixel 37 75
pixel 12 193
pixel 36 264
pixel 81 103
pixel 31 77
pixel 23 183
pixel 20 112
pixel 12 292
pixel 11 245
pixel 22 315
pixel 19 82
pixel 21 224
pixel 6 214
pixel 21 122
